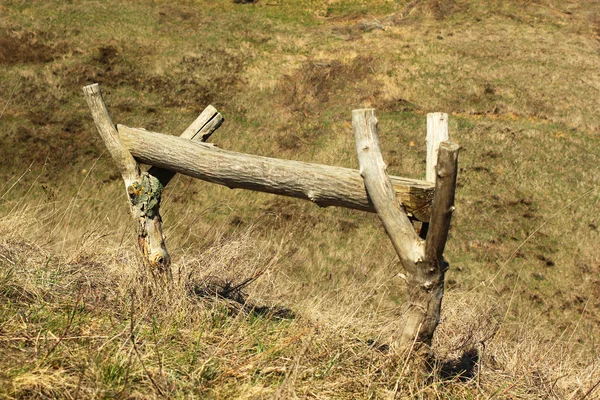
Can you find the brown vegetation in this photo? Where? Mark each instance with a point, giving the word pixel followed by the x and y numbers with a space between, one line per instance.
pixel 276 298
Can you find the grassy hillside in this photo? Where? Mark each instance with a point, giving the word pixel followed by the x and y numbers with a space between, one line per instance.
pixel 311 294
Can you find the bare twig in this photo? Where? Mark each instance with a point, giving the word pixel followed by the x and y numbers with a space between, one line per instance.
pixel 594 387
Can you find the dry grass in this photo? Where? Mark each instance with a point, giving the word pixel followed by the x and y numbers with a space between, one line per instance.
pixel 90 323
pixel 276 298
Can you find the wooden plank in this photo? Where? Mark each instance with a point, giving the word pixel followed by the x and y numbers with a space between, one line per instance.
pixel 207 122
pixel 322 184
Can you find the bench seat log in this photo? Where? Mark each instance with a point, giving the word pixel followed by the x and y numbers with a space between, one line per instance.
pixel 322 184
pixel 200 130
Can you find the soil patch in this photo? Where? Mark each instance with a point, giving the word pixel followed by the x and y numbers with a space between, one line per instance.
pixel 26 47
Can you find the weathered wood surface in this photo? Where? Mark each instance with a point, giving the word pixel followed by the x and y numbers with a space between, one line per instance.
pixel 373 170
pixel 422 261
pixel 443 200
pixel 126 164
pixel 200 130
pixel 324 185
pixel 426 289
pixel 437 132
pixel 143 190
pixel 207 122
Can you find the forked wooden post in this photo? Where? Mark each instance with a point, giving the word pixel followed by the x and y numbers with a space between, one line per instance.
pixel 422 260
pixel 144 189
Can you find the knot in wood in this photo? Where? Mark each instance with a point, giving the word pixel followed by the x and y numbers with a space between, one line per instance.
pixel 427 286
pixel 158 260
pixel 145 195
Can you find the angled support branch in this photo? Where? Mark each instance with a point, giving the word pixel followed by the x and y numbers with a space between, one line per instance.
pixel 443 201
pixel 200 130
pixel 422 261
pixel 406 242
pixel 126 164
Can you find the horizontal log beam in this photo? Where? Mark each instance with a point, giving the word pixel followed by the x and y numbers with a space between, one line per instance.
pixel 322 184
pixel 200 130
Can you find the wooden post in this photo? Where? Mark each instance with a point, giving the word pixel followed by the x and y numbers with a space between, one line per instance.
pixel 437 132
pixel 144 189
pixel 421 260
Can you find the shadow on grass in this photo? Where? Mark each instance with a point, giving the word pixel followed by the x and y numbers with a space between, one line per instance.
pixel 237 301
pixel 461 369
